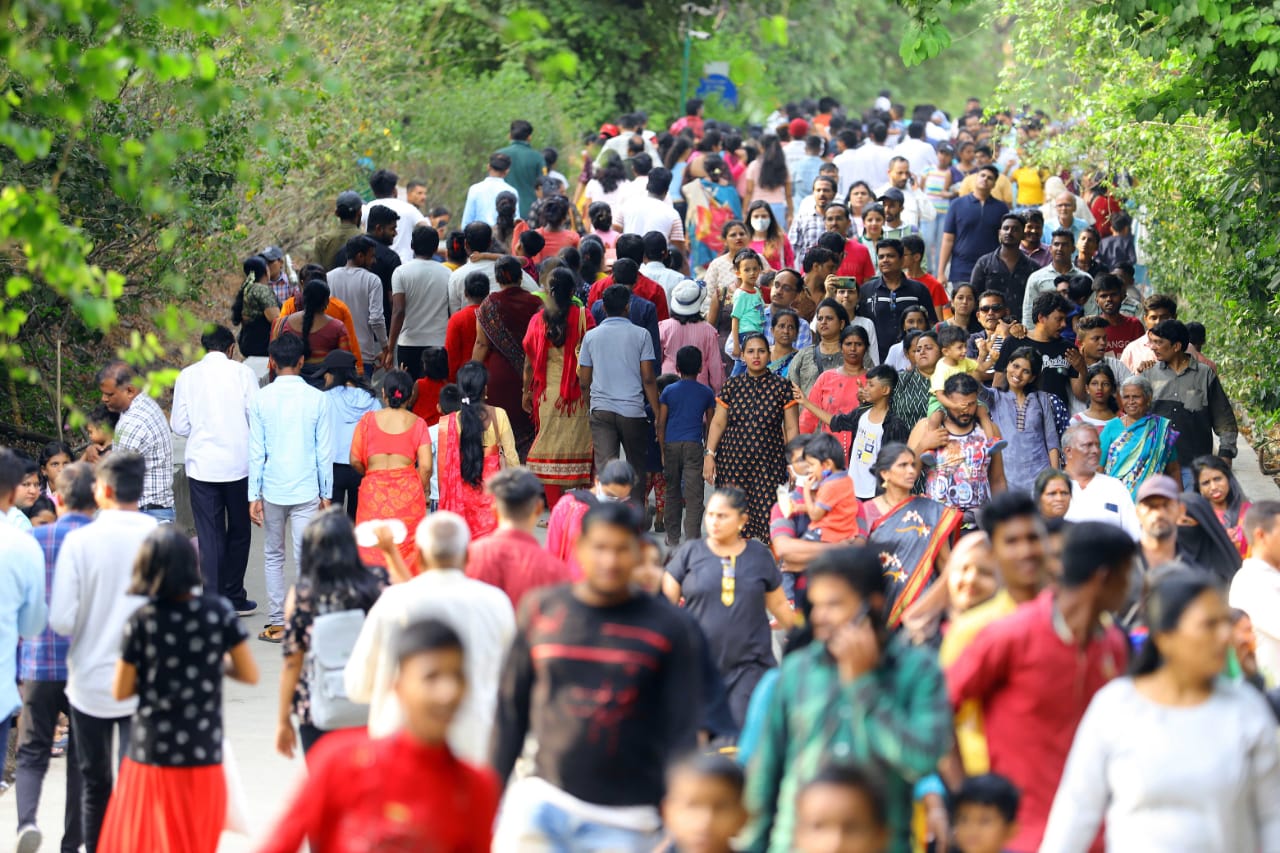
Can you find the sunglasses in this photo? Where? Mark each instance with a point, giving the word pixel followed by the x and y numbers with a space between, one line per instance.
pixel 987 309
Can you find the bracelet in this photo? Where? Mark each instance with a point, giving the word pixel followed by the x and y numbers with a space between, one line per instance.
pixel 709 453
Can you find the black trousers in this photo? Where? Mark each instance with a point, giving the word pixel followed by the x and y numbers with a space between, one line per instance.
pixel 223 530
pixel 346 488
pixel 42 702
pixel 611 432
pixel 92 737
pixel 411 358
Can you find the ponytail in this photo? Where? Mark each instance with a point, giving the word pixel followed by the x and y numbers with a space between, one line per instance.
pixel 555 316
pixel 467 394
pixel 315 298
pixel 397 387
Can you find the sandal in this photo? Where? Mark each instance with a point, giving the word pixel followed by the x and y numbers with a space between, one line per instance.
pixel 272 634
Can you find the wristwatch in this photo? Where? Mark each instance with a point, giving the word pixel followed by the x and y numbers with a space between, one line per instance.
pixel 709 452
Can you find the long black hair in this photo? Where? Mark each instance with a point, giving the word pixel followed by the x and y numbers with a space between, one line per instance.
pixel 1167 600
pixel 397 388
pixel 506 204
pixel 555 315
pixel 592 262
pixel 255 270
pixel 49 451
pixel 166 568
pixel 330 560
pixel 466 397
pixel 315 298
pixel 349 376
pixel 773 163
pixel 612 173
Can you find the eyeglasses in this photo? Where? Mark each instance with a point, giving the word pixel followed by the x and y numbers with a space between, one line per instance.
pixel 987 309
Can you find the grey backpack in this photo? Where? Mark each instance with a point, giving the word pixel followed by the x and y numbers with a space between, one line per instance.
pixel 333 637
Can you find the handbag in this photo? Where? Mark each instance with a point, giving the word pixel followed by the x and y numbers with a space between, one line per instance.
pixel 333 637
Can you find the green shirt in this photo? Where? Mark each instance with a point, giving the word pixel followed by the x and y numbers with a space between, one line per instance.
pixel 527 166
pixel 895 720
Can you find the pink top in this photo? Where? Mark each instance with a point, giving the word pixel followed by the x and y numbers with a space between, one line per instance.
pixel 774 195
pixel 673 335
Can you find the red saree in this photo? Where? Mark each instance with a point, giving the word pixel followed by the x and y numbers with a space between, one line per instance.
pixel 473 503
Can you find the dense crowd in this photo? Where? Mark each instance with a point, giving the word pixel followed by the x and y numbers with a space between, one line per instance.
pixel 840 485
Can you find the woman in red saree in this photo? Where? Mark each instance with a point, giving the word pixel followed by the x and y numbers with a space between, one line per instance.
pixel 912 535
pixel 561 452
pixel 473 442
pixel 392 449
pixel 501 323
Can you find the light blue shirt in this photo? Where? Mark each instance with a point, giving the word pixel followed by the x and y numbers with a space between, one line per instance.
pixel 22 606
pixel 613 350
pixel 482 200
pixel 347 406
pixel 1077 225
pixel 290 444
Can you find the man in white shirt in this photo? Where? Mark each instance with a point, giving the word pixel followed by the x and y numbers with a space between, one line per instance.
pixel 917 209
pixel 480 613
pixel 482 197
pixel 655 266
pixel 479 239
pixel 1095 496
pixel 652 212
pixel 920 154
pixel 1256 587
pixel 91 603
pixel 361 290
pixel 419 304
pixel 211 401
pixel 383 183
pixel 869 162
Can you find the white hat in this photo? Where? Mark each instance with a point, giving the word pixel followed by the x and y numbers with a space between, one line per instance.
pixel 687 298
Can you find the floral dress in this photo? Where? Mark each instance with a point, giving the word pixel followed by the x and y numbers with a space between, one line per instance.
pixel 751 454
pixel 307 604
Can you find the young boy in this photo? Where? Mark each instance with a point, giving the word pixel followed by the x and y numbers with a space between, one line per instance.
pixel 528 247
pixel 913 268
pixel 748 303
pixel 952 340
pixel 841 810
pixel 681 427
pixel 703 809
pixel 829 497
pixel 873 426
pixel 787 519
pixel 984 814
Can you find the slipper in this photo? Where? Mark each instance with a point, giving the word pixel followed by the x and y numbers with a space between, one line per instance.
pixel 272 634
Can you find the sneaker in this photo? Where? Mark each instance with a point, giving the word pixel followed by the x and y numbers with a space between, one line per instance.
pixel 248 607
pixel 29 839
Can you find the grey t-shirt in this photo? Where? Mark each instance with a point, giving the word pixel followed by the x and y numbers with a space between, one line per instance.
pixel 425 285
pixel 613 350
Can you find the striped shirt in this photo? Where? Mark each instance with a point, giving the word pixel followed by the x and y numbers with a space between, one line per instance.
pixel 45 657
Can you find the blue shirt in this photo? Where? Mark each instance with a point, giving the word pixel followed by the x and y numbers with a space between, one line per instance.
pixel 289 444
pixel 613 350
pixel 347 406
pixel 45 657
pixel 976 227
pixel 22 606
pixel 687 402
pixel 482 200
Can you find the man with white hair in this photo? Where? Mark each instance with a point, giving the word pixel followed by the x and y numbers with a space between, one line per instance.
pixel 1095 496
pixel 481 615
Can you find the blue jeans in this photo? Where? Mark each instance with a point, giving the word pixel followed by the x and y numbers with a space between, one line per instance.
pixel 164 516
pixel 529 824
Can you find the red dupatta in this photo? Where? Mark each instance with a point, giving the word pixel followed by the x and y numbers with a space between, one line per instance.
pixel 539 348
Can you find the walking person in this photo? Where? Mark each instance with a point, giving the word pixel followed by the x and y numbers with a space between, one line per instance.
pixel 683 407
pixel 501 323
pixel 91 604
pixel 211 401
pixel 290 467
pixel 511 558
pixel 172 793
pixel 144 429
pixel 730 585
pixel 419 304
pixel 474 442
pixel 43 672
pixel 350 399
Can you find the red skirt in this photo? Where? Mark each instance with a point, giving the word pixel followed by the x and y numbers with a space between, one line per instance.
pixel 165 810
pixel 393 493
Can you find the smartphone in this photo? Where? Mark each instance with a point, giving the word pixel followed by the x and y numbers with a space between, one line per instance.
pixel 845 282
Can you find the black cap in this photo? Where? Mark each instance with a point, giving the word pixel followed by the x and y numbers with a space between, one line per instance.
pixel 349 202
pixel 338 359
pixel 272 253
pixel 893 194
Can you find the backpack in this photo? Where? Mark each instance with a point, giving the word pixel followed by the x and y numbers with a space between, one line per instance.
pixel 333 637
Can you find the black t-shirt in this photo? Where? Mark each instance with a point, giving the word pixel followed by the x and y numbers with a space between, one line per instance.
pixel 738 631
pixel 177 648
pixel 1055 370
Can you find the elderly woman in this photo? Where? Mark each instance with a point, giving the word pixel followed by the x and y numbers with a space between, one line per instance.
pixel 1138 444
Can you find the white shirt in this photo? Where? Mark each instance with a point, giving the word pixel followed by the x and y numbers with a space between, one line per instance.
pixel 644 213
pixel 868 162
pixel 425 285
pixel 1255 589
pixel 1105 499
pixel 668 278
pixel 482 201
pixel 458 281
pixel 920 154
pixel 1198 779
pixel 409 215
pixel 211 401
pixel 90 603
pixel 483 618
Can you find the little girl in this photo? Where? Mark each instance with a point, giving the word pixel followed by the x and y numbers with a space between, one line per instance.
pixel 872 229
pixel 748 304
pixel 171 793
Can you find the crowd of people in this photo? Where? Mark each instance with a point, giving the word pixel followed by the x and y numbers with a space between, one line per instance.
pixel 840 485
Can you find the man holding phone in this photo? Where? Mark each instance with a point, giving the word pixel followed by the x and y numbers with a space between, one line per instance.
pixel 855 695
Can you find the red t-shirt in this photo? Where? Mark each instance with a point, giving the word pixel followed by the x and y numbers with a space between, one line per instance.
pixel 460 339
pixel 427 406
pixel 515 563
pixel 1034 689
pixel 857 262
pixel 391 793
pixel 646 288
pixel 937 291
pixel 1122 332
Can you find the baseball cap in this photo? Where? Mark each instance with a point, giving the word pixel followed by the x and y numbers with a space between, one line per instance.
pixel 687 297
pixel 798 128
pixel 893 194
pixel 272 253
pixel 349 202
pixel 1160 486
pixel 337 360
pixel 609 131
pixel 946 148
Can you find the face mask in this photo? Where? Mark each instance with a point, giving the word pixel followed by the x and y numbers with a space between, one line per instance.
pixel 605 496
pixel 760 224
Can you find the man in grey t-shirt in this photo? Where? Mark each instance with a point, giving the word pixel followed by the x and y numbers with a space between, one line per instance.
pixel 361 290
pixel 419 304
pixel 618 373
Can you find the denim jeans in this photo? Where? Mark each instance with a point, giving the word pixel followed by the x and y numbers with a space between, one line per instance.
pixel 274 517
pixel 165 515
pixel 531 824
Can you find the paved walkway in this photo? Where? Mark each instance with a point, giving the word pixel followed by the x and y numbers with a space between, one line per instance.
pixel 251 713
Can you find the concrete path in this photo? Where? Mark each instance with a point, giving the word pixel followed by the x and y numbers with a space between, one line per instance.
pixel 268 778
